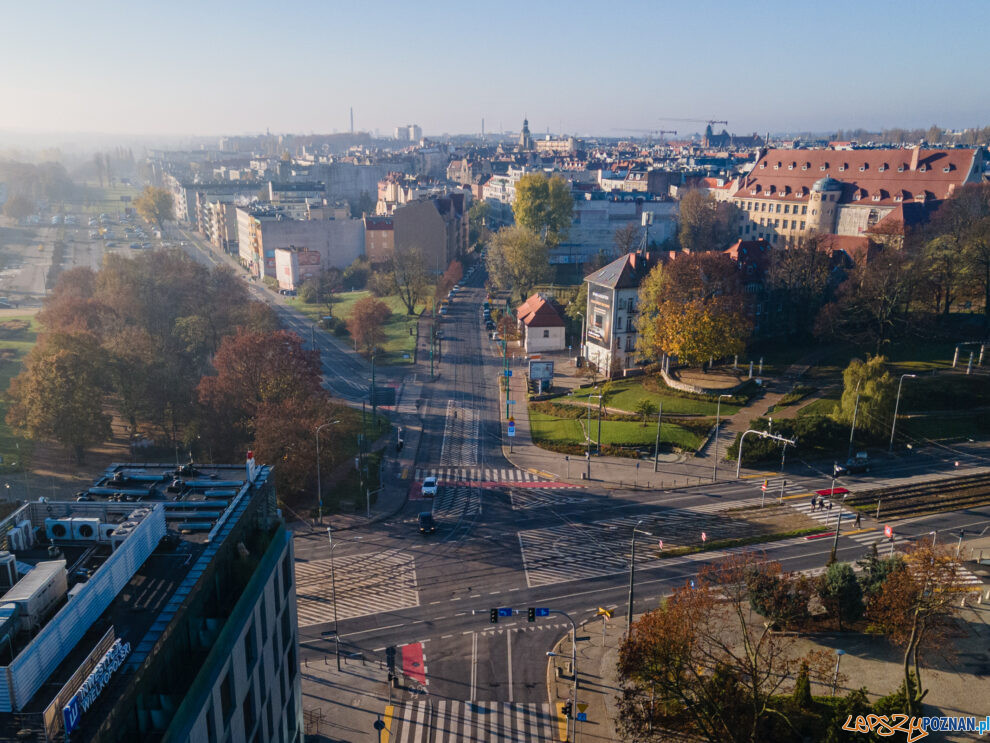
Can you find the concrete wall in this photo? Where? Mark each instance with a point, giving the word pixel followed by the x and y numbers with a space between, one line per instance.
pixel 535 342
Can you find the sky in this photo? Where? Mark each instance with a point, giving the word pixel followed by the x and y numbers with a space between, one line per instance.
pixel 213 67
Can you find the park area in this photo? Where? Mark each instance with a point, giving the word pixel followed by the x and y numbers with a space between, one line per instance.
pixel 18 334
pixel 399 344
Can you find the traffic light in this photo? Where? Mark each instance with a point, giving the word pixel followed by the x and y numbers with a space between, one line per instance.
pixel 531 614
pixel 390 657
pixel 493 618
pixel 567 709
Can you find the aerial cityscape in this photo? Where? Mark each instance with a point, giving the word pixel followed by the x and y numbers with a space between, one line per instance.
pixel 444 373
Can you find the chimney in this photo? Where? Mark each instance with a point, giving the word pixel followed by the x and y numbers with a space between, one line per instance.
pixel 915 156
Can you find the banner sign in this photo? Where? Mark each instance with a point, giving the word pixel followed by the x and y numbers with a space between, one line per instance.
pixel 83 699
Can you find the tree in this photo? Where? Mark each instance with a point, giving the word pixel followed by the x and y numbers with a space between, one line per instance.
pixel 544 206
pixel 781 597
pixel 871 304
pixel 698 667
pixel 976 253
pixel 915 608
pixel 627 238
pixel 576 308
pixel 875 570
pixel 798 279
pixel 366 323
pixel 876 389
pixel 60 394
pixel 943 272
pixel 478 216
pixel 692 308
pixel 453 274
pixel 156 205
pixel 323 288
pixel 646 409
pixel 841 594
pixel 408 268
pixel 356 275
pixel 18 207
pixel 518 260
pixel 704 223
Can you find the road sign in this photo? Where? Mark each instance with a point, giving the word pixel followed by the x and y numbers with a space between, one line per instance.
pixel 704 537
pixel 764 486
pixel 582 707
pixel 379 725
pixel 542 611
pixel 508 372
pixel 512 429
pixel 888 531
pixel 607 613
pixel 582 717
pixel 505 611
pixel 510 402
pixel 661 545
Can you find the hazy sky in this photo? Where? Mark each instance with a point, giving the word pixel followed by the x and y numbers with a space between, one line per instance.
pixel 205 67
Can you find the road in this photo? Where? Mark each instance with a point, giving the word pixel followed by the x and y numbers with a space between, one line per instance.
pixel 508 539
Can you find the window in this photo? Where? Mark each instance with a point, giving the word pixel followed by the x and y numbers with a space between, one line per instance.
pixel 804 210
pixel 778 208
pixel 546 333
pixel 618 323
pixel 263 613
pixel 286 575
pixel 762 221
pixel 776 223
pixel 248 709
pixel 250 647
pixel 787 208
pixel 802 225
pixel 226 698
pixel 814 212
pixel 211 725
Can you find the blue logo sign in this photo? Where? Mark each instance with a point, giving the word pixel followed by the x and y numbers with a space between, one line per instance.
pixel 97 680
pixel 505 612
pixel 582 716
pixel 508 372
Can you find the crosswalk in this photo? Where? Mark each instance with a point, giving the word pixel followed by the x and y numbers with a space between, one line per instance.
pixel 486 476
pixel 435 720
pixel 525 498
pixel 461 435
pixel 366 584
pixel 454 501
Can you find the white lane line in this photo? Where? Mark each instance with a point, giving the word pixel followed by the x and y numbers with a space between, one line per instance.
pixel 474 666
pixel 508 646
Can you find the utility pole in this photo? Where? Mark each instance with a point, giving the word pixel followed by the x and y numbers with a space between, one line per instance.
pixel 656 448
pixel 598 447
pixel 852 431
pixel 433 333
pixel 374 397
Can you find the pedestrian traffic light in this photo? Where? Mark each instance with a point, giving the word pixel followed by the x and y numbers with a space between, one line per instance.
pixel 390 657
pixel 567 709
pixel 493 618
pixel 531 614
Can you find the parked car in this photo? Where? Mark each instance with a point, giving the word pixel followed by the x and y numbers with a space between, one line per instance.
pixel 430 486
pixel 427 524
pixel 287 292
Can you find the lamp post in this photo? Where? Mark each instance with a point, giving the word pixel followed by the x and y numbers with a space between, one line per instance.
pixel 835 677
pixel 838 522
pixel 852 430
pixel 897 403
pixel 333 587
pixel 632 574
pixel 718 411
pixel 319 489
pixel 571 721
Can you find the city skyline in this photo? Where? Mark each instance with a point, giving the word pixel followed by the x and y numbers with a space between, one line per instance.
pixel 186 70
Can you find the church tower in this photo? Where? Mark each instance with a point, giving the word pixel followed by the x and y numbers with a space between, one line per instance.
pixel 525 140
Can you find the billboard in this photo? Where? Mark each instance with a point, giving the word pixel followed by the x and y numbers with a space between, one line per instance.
pixel 599 321
pixel 539 370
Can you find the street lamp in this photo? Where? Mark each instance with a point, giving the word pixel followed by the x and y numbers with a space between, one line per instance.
pixel 571 721
pixel 333 587
pixel 897 403
pixel 835 677
pixel 934 537
pixel 319 489
pixel 632 574
pixel 718 411
pixel 838 521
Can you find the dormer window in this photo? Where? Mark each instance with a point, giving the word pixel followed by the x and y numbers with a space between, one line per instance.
pixel 922 168
pixel 900 168
pixel 842 167
pixel 762 165
pixel 898 198
pixel 876 197
pixel 856 197
pixel 862 167
pixel 777 166
pixel 946 169
pixel 822 168
pixel 882 167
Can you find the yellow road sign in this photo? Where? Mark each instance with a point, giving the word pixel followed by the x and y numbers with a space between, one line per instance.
pixel 582 707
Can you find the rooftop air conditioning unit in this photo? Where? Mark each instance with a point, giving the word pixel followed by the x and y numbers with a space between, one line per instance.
pixel 86 529
pixel 58 528
pixel 106 531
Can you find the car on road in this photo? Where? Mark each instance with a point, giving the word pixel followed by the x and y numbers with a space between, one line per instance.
pixel 287 292
pixel 443 310
pixel 489 325
pixel 427 524
pixel 855 465
pixel 135 246
pixel 430 486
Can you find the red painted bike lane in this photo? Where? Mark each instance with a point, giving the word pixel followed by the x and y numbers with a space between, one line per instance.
pixel 413 663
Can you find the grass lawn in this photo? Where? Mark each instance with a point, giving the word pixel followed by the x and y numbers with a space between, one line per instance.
pixel 17 336
pixel 625 394
pixel 569 431
pixel 823 405
pixel 945 427
pixel 398 341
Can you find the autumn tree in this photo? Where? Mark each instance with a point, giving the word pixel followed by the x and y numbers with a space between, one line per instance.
pixel 60 395
pixel 252 370
pixel 915 608
pixel 453 274
pixel 798 279
pixel 698 667
pixel 408 269
pixel 478 216
pixel 18 207
pixel 875 388
pixel 367 324
pixel 544 206
pixel 517 260
pixel 692 308
pixel 156 205
pixel 703 222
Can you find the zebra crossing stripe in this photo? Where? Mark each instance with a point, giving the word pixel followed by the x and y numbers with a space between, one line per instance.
pixel 451 721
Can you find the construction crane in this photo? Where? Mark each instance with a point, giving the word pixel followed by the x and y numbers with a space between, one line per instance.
pixel 710 122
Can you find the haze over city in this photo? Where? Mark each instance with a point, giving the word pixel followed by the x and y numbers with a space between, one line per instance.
pixel 191 68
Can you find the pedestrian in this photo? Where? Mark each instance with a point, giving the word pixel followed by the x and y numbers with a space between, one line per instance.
pixel 859 519
pixel 814 502
pixel 830 506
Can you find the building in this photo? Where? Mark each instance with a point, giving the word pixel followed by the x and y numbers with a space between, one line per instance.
pixel 792 194
pixel 261 230
pixel 409 133
pixel 379 239
pixel 525 138
pixel 436 227
pixel 613 306
pixel 294 265
pixel 597 216
pixel 562 147
pixel 220 225
pixel 542 325
pixel 175 620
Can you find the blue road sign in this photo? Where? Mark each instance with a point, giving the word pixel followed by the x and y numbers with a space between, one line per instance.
pixel 505 611
pixel 510 402
pixel 582 716
pixel 512 429
pixel 508 372
pixel 542 612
